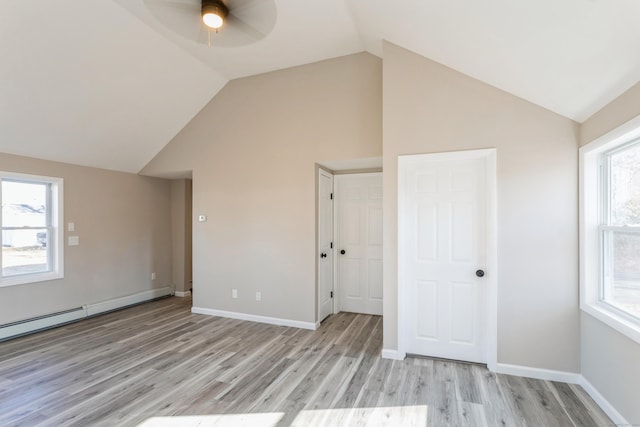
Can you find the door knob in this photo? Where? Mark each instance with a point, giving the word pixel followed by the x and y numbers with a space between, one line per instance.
pixel 343 252
pixel 480 273
pixel 323 255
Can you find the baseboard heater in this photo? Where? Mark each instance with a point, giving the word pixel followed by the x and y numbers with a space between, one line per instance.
pixel 36 324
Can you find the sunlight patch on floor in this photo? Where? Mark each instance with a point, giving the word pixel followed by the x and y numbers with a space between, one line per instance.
pixel 230 420
pixel 371 417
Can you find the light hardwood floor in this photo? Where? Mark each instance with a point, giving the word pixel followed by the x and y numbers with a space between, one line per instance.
pixel 157 364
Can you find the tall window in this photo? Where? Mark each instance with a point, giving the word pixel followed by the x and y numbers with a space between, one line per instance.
pixel 610 229
pixel 31 228
pixel 620 229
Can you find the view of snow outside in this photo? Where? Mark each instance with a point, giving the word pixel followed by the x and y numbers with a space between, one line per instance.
pixel 24 244
pixel 624 268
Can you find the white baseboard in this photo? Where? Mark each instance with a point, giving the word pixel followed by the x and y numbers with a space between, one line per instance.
pixel 116 303
pixel 255 318
pixel 16 329
pixel 182 294
pixel 21 328
pixel 603 403
pixel 392 354
pixel 537 373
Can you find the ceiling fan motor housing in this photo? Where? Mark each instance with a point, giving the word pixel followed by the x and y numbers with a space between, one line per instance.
pixel 216 7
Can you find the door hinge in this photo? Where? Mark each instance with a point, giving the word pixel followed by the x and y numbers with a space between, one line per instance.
pixel 331 294
pixel 331 246
pixel 331 196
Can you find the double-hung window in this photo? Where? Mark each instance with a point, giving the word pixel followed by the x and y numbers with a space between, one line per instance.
pixel 610 229
pixel 620 229
pixel 31 222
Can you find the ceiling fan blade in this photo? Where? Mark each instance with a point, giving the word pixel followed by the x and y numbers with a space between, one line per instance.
pixel 241 25
pixel 180 16
pixel 259 14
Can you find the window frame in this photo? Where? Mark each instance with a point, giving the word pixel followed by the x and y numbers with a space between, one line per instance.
pixel 54 226
pixel 594 210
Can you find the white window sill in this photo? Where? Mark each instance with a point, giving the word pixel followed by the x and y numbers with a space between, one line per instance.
pixel 30 278
pixel 613 319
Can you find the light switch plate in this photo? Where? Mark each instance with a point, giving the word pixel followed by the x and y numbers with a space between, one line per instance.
pixel 71 227
pixel 202 218
pixel 73 240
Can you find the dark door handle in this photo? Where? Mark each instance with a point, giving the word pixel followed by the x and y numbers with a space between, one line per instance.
pixel 323 255
pixel 343 252
pixel 480 273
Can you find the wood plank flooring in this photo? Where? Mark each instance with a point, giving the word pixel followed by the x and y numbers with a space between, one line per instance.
pixel 157 364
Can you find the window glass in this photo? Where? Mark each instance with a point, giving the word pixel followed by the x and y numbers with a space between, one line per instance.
pixel 622 271
pixel 30 222
pixel 24 204
pixel 621 231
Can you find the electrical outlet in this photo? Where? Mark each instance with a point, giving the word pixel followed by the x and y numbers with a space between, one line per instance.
pixel 234 293
pixel 258 296
pixel 153 276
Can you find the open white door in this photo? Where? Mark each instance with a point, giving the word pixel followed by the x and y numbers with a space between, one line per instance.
pixel 445 228
pixel 325 250
pixel 359 242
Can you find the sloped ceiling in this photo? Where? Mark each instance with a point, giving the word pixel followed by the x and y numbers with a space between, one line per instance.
pixel 103 83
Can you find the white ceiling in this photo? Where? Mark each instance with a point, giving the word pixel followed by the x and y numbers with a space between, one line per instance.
pixel 103 83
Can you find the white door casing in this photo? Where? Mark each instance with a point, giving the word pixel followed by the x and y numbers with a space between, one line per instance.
pixel 359 234
pixel 446 232
pixel 325 237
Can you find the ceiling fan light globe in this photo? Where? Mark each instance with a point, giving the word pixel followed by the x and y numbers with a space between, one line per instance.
pixel 212 20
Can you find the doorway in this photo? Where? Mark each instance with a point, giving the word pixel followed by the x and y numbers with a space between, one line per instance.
pixel 325 245
pixel 447 255
pixel 358 232
pixel 349 243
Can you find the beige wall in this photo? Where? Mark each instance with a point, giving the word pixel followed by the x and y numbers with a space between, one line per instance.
pixel 253 151
pixel 123 221
pixel 430 108
pixel 610 360
pixel 616 113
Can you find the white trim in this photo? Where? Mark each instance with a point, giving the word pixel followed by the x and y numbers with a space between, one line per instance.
pixel 490 156
pixel 603 403
pixel 45 322
pixel 537 373
pixel 116 303
pixel 182 294
pixel 255 318
pixel 388 353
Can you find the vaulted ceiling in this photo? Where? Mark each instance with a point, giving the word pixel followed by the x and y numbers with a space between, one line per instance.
pixel 104 83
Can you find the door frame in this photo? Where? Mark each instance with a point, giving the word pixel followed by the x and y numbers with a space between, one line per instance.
pixel 323 171
pixel 490 156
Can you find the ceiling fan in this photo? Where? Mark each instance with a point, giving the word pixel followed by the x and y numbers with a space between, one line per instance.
pixel 218 23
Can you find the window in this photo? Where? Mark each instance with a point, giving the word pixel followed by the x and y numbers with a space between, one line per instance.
pixel 620 229
pixel 610 229
pixel 31 228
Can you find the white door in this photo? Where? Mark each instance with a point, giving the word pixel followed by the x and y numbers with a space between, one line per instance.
pixel 359 242
pixel 442 220
pixel 325 251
